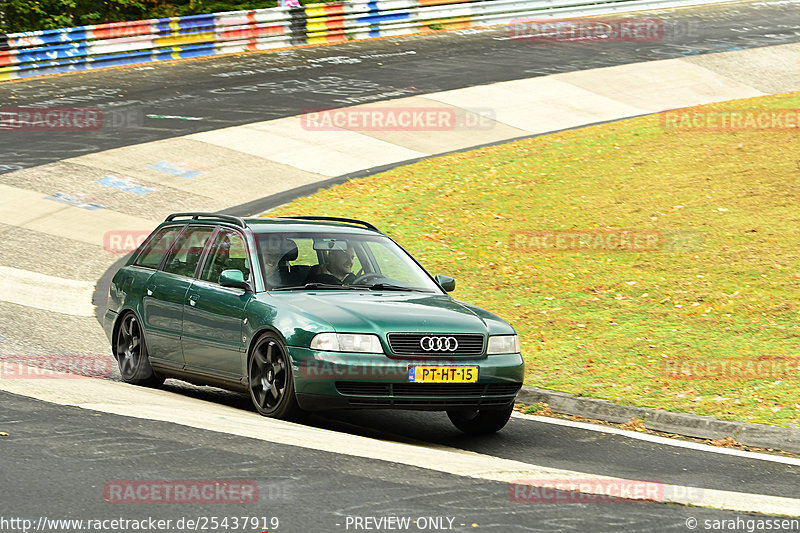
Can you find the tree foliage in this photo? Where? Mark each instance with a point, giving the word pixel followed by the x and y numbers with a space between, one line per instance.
pixel 30 15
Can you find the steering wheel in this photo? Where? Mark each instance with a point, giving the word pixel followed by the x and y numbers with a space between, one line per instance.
pixel 360 280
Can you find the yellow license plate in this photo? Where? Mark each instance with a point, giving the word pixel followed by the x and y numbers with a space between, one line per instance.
pixel 443 374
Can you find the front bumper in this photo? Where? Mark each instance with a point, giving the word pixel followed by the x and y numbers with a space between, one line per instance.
pixel 332 380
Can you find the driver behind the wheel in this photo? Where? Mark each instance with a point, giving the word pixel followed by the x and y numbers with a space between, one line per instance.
pixel 337 267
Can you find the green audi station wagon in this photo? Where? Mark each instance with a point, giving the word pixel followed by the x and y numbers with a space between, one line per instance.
pixel 308 313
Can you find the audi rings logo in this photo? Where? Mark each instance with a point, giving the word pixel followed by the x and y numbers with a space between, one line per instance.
pixel 438 344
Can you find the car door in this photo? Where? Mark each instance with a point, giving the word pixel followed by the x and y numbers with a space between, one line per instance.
pixel 212 317
pixel 146 265
pixel 165 293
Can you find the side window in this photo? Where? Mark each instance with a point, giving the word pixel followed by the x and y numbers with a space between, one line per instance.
pixel 154 250
pixel 186 253
pixel 228 251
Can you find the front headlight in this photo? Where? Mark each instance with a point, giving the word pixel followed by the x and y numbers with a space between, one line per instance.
pixel 346 342
pixel 503 344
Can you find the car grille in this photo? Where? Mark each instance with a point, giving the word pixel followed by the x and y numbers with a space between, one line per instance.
pixel 428 394
pixel 468 345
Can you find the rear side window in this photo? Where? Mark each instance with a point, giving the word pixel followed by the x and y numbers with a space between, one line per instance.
pixel 186 254
pixel 157 247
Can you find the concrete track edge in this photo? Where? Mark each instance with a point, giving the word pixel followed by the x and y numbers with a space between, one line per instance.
pixel 684 424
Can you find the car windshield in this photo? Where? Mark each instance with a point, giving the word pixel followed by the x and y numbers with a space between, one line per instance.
pixel 331 261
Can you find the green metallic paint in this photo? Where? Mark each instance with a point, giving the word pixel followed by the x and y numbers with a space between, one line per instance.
pixel 200 327
pixel 212 328
pixel 316 372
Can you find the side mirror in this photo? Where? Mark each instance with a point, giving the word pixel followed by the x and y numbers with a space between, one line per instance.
pixel 233 278
pixel 446 282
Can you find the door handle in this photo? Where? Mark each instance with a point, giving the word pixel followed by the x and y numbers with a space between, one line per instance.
pixel 193 299
pixel 150 290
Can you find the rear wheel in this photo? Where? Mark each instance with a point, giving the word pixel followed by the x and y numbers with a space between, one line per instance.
pixel 480 422
pixel 270 378
pixel 131 354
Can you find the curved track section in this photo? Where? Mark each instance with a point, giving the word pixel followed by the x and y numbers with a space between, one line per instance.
pixel 161 101
pixel 222 132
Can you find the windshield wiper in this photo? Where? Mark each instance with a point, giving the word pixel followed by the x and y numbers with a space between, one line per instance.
pixel 389 287
pixel 313 286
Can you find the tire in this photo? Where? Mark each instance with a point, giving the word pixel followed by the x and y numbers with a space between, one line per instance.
pixel 270 381
pixel 130 352
pixel 483 422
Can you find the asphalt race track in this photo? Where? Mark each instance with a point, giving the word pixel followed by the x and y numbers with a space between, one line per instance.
pixel 57 459
pixel 227 91
pixel 66 454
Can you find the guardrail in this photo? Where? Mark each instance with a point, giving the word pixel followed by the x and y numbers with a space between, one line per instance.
pixel 43 52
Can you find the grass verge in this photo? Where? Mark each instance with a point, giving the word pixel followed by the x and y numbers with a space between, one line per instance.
pixel 702 319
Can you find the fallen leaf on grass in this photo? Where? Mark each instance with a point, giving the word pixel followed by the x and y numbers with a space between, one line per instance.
pixel 634 424
pixel 727 442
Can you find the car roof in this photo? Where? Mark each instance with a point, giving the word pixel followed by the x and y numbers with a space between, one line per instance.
pixel 280 224
pixel 269 225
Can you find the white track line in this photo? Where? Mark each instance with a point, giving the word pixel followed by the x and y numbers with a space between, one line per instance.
pixel 661 440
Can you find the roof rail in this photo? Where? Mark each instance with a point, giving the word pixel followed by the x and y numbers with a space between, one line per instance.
pixel 209 216
pixel 338 219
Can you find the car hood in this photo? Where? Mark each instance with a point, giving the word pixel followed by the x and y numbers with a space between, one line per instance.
pixel 384 312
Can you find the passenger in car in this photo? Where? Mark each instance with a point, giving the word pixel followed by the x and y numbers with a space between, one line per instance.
pixel 270 260
pixel 275 256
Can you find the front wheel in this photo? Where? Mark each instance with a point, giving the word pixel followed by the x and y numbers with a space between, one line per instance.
pixel 482 422
pixel 270 380
pixel 131 354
